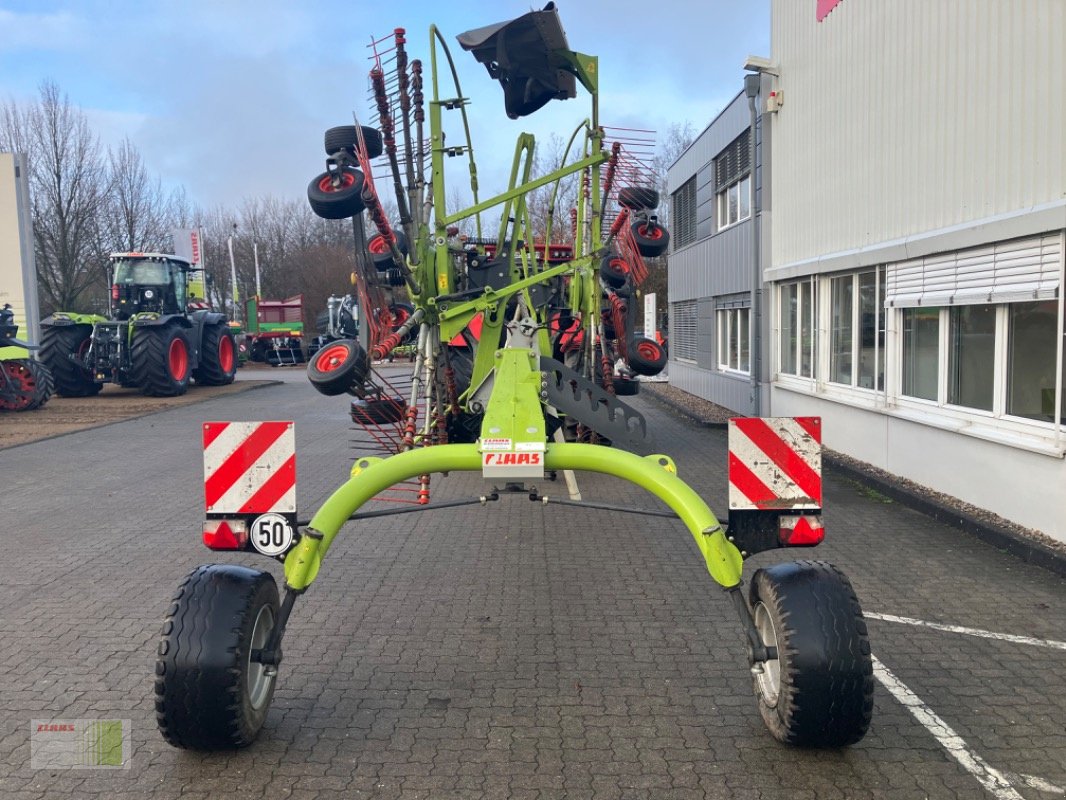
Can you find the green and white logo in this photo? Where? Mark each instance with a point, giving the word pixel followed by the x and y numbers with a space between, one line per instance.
pixel 80 744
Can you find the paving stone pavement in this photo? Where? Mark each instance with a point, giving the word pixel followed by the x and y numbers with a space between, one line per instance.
pixel 515 651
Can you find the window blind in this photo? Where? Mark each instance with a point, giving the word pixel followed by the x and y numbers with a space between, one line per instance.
pixel 1005 272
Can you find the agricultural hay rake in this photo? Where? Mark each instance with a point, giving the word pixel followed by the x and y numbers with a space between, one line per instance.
pixel 522 338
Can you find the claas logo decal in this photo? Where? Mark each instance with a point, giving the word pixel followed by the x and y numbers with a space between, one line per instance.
pixel 512 459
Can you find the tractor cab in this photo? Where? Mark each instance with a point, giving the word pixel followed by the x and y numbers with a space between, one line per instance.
pixel 148 282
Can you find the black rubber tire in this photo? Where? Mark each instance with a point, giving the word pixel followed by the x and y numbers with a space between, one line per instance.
pixel 615 271
pixel 345 137
pixel 203 669
pixel 645 356
pixel 338 367
pixel 35 380
pixel 383 411
pixel 337 202
pixel 380 253
pixel 58 342
pixel 824 695
pixel 625 387
pixel 638 198
pixel 155 359
pixel 216 368
pixel 652 238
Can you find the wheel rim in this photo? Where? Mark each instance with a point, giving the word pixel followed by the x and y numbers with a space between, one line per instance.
pixel 25 385
pixel 769 680
pixel 649 351
pixel 378 246
pixel 331 358
pixel 326 184
pixel 650 233
pixel 399 317
pixel 178 359
pixel 225 354
pixel 259 680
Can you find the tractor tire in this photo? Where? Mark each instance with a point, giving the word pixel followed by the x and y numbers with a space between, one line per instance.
pixel 380 253
pixel 58 343
pixel 337 202
pixel 382 411
pixel 209 694
pixel 645 356
pixel 651 237
pixel 160 357
pixel 638 198
pixel 218 357
pixel 338 367
pixel 345 137
pixel 818 692
pixel 615 271
pixel 30 382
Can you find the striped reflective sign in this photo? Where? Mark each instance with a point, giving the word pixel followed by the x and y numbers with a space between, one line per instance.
pixel 249 467
pixel 775 463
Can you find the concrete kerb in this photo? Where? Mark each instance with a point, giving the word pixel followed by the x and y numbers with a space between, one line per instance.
pixel 1000 537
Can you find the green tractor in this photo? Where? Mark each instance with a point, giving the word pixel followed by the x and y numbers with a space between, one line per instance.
pixel 158 336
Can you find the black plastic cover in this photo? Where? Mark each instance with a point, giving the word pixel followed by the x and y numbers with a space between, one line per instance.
pixel 524 56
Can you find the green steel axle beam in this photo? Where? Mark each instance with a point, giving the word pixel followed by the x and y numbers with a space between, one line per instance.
pixel 373 475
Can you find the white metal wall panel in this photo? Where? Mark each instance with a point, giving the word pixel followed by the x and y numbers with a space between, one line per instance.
pixel 911 116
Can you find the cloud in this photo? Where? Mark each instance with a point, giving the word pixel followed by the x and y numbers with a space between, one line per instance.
pixel 31 31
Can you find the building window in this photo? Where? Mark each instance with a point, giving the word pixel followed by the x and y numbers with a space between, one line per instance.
pixel 871 344
pixel 857 329
pixel 972 356
pixel 683 330
pixel 1031 361
pixel 921 352
pixel 683 213
pixel 797 329
pixel 734 338
pixel 842 328
pixel 732 170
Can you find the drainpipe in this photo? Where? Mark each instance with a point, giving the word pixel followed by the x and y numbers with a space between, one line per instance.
pixel 751 89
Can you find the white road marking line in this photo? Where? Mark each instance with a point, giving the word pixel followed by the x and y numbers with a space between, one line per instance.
pixel 1036 783
pixel 989 777
pixel 1003 637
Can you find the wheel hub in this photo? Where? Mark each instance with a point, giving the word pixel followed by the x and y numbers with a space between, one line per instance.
pixel 769 677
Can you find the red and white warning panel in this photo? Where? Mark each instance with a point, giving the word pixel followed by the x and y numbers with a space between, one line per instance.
pixel 249 468
pixel 775 463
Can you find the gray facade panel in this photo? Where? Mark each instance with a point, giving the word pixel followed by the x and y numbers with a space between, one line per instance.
pixel 729 391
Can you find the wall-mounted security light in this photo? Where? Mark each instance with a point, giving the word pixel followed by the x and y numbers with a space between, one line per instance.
pixel 761 64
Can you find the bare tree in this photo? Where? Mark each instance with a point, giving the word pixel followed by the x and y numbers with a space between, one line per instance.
pixel 68 185
pixel 137 214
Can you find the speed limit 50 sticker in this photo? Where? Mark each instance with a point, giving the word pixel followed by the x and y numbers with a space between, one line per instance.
pixel 271 534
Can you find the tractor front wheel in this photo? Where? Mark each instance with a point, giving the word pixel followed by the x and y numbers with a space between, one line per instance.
pixel 160 357
pixel 218 356
pixel 210 694
pixel 58 344
pixel 818 690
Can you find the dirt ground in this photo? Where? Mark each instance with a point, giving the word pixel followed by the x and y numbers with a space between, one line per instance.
pixel 68 414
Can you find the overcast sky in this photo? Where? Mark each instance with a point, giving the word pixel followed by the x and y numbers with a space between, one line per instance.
pixel 230 98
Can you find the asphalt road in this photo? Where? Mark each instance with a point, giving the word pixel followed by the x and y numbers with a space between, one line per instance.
pixel 513 651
